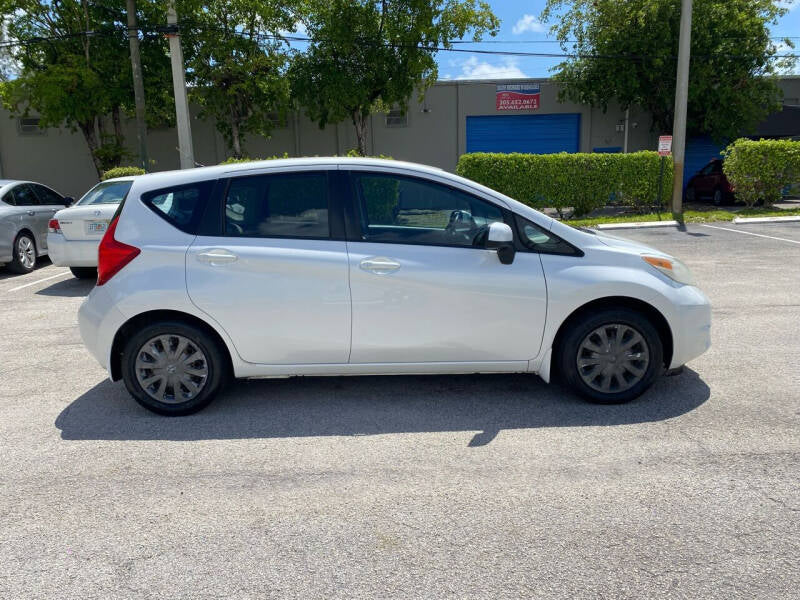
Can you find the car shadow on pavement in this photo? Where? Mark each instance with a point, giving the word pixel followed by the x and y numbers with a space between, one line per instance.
pixel 346 406
pixel 72 287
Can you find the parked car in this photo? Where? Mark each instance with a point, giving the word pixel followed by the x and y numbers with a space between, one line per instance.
pixel 710 183
pixel 337 266
pixel 75 232
pixel 25 209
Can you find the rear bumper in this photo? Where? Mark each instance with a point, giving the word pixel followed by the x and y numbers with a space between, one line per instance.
pixel 72 253
pixel 98 321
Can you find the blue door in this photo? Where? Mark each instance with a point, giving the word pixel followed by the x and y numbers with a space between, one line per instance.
pixel 534 134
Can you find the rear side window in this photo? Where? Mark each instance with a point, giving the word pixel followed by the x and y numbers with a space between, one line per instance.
pixel 47 196
pixel 291 205
pixel 181 206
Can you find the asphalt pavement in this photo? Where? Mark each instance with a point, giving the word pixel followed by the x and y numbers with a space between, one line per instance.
pixel 414 487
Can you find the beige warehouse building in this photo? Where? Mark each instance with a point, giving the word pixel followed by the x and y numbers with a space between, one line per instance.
pixel 455 117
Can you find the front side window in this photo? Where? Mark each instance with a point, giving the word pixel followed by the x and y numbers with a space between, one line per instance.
pixel 107 192
pixel 281 205
pixel 415 211
pixel 47 196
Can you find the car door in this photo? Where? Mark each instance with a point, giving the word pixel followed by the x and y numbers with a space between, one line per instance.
pixel 704 181
pixel 49 204
pixel 30 214
pixel 422 291
pixel 274 274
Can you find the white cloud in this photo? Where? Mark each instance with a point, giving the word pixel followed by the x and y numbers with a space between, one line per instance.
pixel 528 23
pixel 298 31
pixel 473 68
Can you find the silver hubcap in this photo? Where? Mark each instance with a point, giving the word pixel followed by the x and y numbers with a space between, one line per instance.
pixel 171 368
pixel 26 252
pixel 613 358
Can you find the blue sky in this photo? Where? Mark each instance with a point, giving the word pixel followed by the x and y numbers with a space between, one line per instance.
pixel 519 23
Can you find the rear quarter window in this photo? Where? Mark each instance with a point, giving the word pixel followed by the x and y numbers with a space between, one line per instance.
pixel 181 206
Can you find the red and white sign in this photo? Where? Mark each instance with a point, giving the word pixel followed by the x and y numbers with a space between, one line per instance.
pixel 517 96
pixel 664 145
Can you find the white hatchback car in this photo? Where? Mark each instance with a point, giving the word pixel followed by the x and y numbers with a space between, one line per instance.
pixel 336 266
pixel 74 233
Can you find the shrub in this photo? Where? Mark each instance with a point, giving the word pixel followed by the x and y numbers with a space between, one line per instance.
pixel 759 170
pixel 582 181
pixel 122 172
pixel 233 160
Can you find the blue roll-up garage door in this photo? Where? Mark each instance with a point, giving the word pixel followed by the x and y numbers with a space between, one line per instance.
pixel 535 134
pixel 699 152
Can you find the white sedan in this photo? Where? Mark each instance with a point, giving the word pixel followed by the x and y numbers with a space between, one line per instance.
pixel 337 266
pixel 74 233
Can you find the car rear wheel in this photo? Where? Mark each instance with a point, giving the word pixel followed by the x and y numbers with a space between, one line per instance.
pixel 173 368
pixel 690 194
pixel 612 356
pixel 24 260
pixel 84 272
pixel 719 198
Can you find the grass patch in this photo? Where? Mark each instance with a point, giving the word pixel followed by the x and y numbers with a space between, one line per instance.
pixel 689 216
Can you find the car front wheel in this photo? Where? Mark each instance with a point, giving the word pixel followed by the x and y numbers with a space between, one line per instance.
pixel 611 356
pixel 173 368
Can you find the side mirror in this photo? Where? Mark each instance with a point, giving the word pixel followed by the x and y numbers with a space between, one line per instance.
pixel 501 238
pixel 69 200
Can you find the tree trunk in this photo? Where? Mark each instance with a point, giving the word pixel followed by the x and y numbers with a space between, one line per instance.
pixel 360 123
pixel 236 142
pixel 87 128
pixel 116 118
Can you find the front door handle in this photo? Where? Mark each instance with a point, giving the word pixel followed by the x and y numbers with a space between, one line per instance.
pixel 380 265
pixel 31 213
pixel 217 256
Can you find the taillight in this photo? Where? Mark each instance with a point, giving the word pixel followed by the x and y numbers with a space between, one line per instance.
pixel 53 226
pixel 112 255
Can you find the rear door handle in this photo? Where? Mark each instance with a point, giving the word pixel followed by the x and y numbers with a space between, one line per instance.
pixel 380 265
pixel 217 256
pixel 31 213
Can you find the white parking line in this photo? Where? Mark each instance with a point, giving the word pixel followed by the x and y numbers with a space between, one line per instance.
pixel 771 237
pixel 19 287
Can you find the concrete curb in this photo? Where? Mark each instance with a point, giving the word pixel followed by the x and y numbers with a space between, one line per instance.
pixel 738 220
pixel 643 225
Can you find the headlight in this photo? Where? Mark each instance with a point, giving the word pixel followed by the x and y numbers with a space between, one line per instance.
pixel 671 267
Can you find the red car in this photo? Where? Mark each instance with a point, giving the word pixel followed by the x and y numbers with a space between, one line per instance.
pixel 710 183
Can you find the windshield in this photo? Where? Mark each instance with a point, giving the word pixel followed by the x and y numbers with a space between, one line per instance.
pixel 108 192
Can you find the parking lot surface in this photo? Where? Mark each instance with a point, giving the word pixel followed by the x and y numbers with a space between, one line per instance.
pixel 414 487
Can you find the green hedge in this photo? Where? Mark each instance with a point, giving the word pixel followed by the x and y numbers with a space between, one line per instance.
pixel 122 172
pixel 759 170
pixel 584 182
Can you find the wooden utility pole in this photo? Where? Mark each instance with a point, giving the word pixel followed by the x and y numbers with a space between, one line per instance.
pixel 138 84
pixel 681 100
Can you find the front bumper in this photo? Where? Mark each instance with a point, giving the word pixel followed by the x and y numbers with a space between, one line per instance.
pixel 72 253
pixel 691 326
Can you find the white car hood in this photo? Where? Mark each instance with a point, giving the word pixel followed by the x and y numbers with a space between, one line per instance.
pixel 628 245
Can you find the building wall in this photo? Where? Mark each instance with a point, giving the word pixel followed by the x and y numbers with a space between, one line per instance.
pixel 435 134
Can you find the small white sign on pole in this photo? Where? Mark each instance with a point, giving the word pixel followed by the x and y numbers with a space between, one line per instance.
pixel 664 145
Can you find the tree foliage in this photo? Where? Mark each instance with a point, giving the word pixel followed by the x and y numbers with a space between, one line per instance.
pixel 81 81
pixel 626 52
pixel 235 65
pixel 373 54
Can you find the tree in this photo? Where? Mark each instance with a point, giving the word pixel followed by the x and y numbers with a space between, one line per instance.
pixel 78 79
pixel 368 55
pixel 627 52
pixel 237 67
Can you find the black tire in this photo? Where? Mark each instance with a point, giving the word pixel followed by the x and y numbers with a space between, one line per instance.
pixel 214 360
pixel 84 272
pixel 579 330
pixel 718 199
pixel 16 265
pixel 689 195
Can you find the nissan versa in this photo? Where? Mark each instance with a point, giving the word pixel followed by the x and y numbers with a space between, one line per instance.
pixel 336 266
